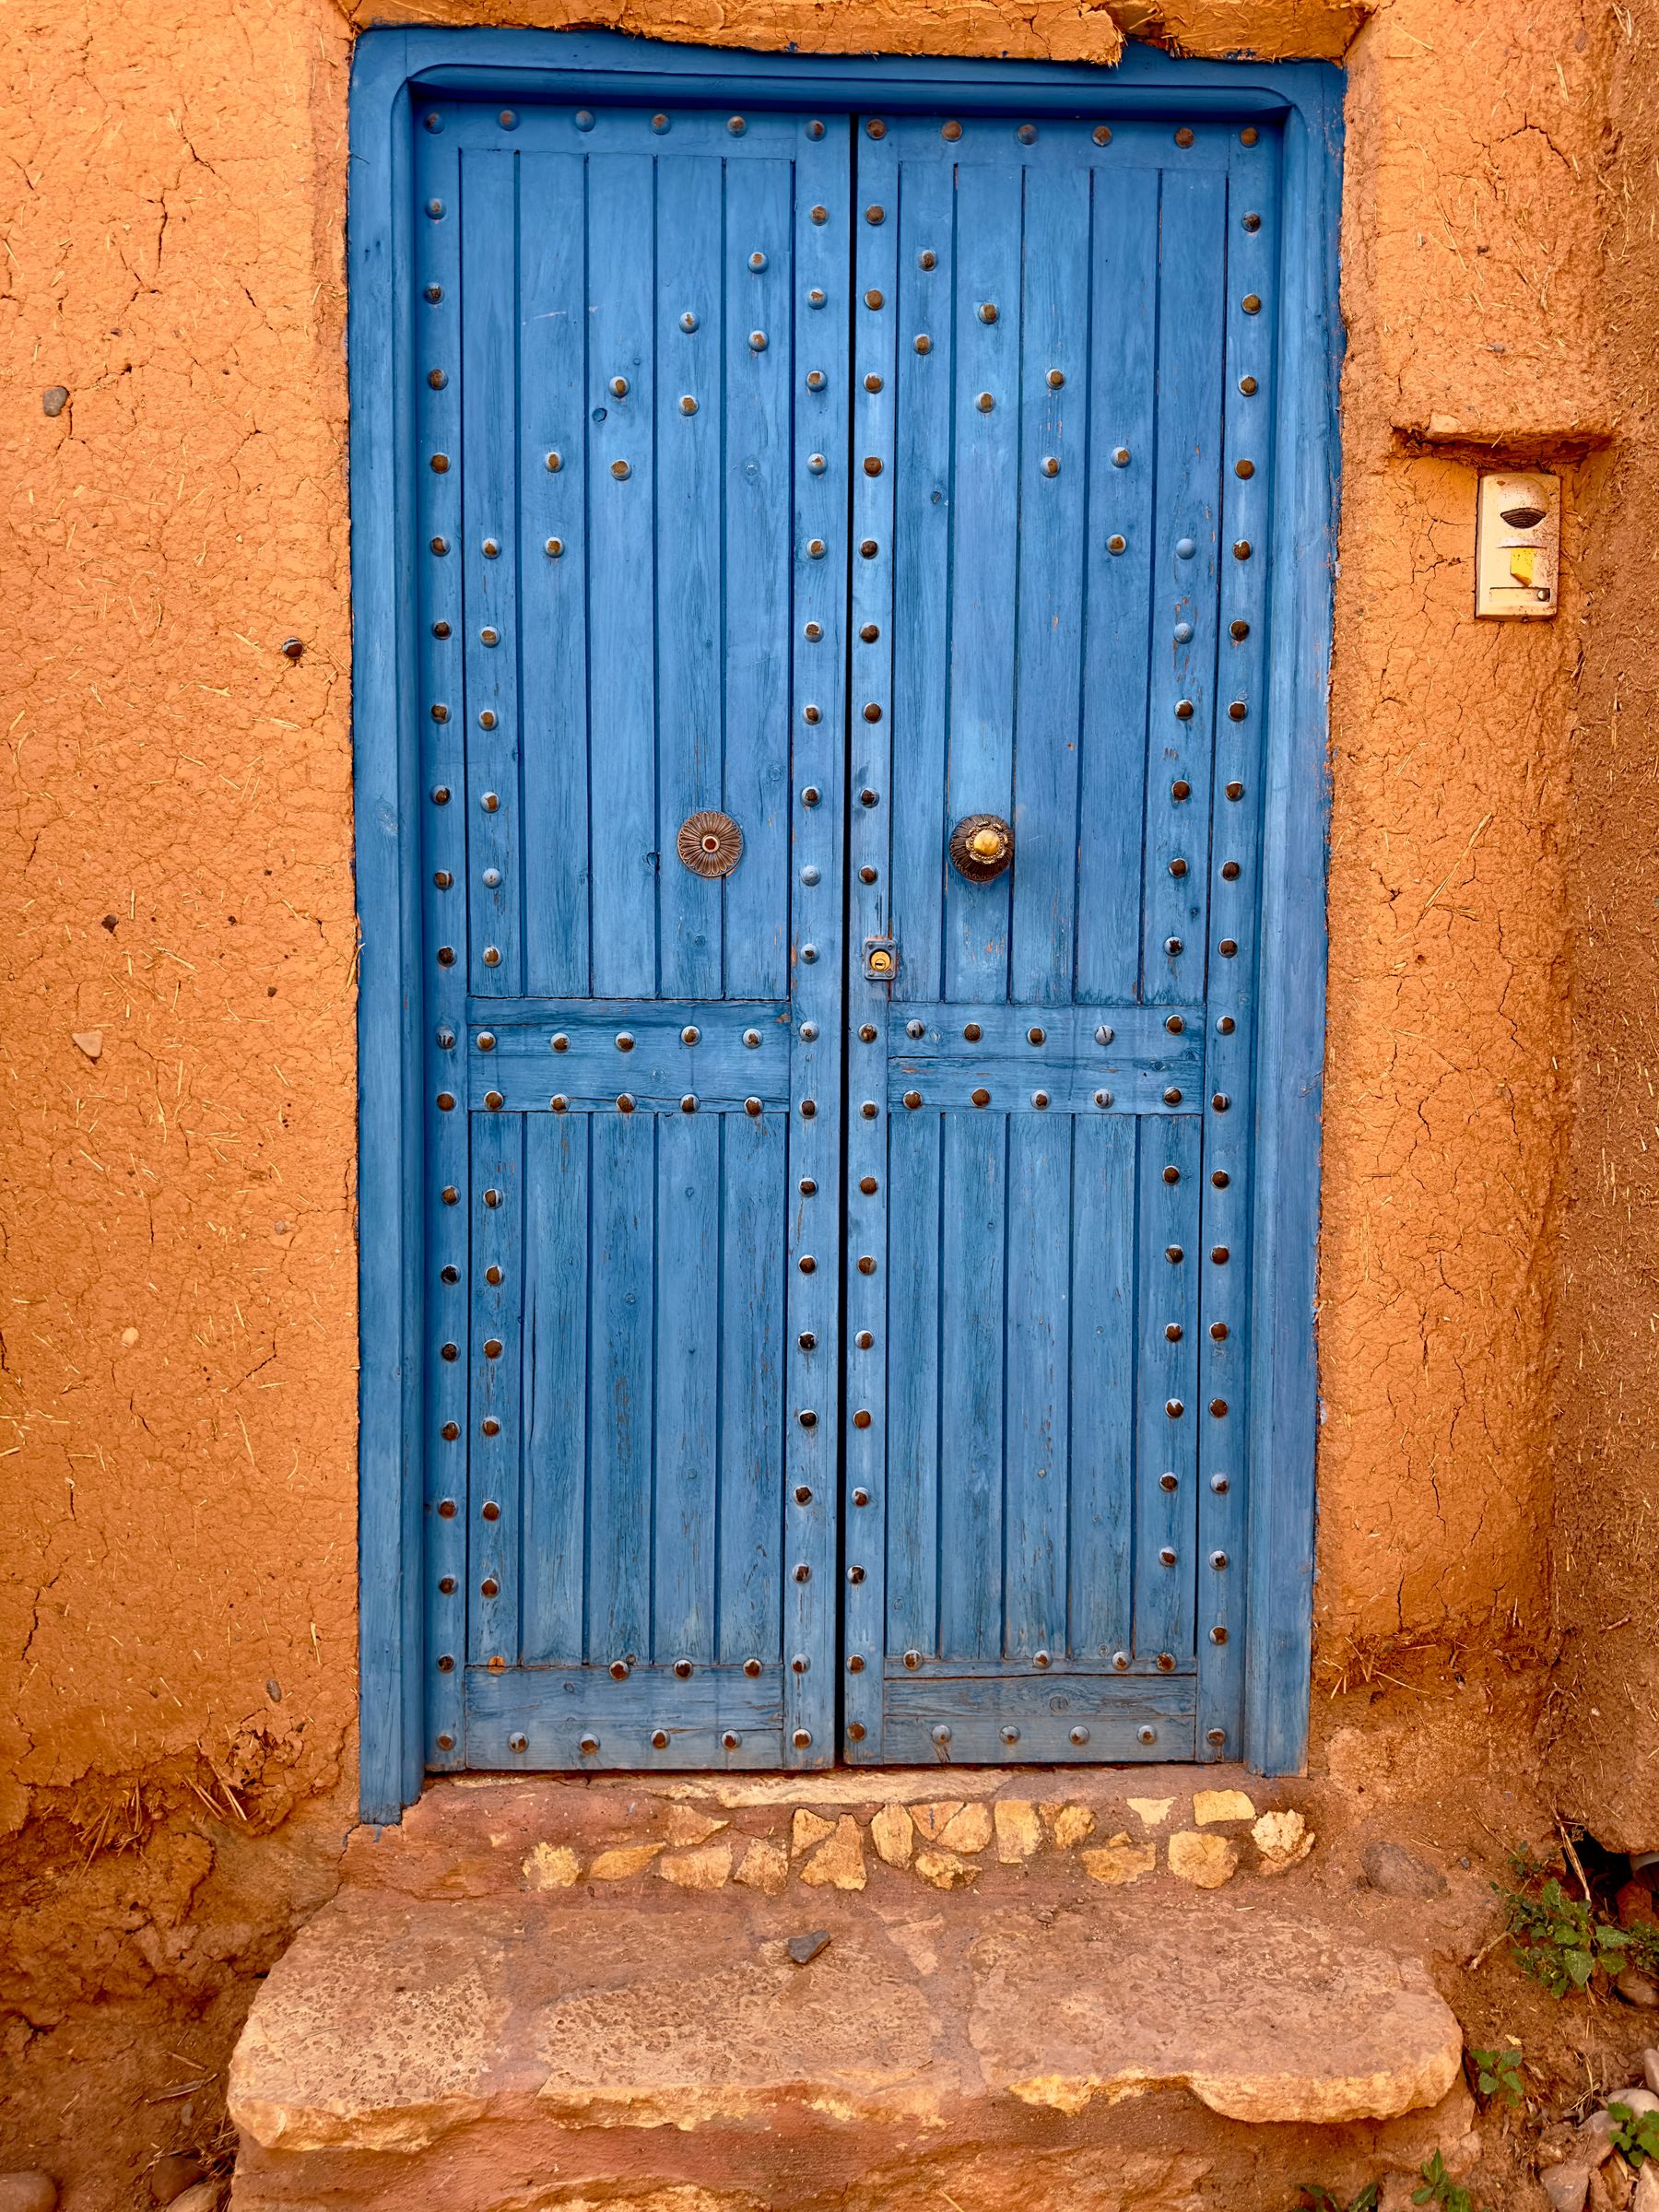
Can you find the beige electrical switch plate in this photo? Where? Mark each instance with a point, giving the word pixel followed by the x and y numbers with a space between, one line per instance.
pixel 1518 545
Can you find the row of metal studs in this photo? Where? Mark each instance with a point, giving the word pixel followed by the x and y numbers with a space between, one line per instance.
pixel 817 923
pixel 1235 903
pixel 448 1166
pixel 875 401
pixel 586 119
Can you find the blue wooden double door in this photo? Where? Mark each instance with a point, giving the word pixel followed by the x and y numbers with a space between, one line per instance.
pixel 841 558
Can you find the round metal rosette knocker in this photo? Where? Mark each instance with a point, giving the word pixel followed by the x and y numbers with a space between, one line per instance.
pixel 710 844
pixel 981 846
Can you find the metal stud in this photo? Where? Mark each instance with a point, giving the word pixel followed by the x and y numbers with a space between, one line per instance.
pixel 736 126
pixel 1171 1096
pixel 757 262
pixel 1237 710
pixel 1245 468
pixel 872 466
pixel 730 1738
pixel 982 1096
pixel 688 405
pixel 815 129
pixel 801 1738
pixel 1051 467
pixel 660 123
pixel 1178 867
pixel 1238 631
pixel 875 215
pixel 987 311
pixel 923 342
pixel 928 261
pixel 621 470
pixel 554 547
pixel 872 383
pixel 757 339
pixel 1056 379
pixel 1249 135
pixel 751 1667
pixel 1104 1034
pixel 1145 1733
pixel 1027 134
pixel 439 547
pixel 1101 134
pixel 941 1735
pixel 1102 1098
pixel 1079 1734
pixel 1183 710
pixel 1120 456
pixel 1220 1255
pixel 1168 1482
pixel 912 1098
pixel 1218 1635
pixel 819 215
pixel 1040 1659
pixel 985 403
pixel 950 131
pixel 1115 543
pixel 1174 1254
pixel 436 379
pixel 817 464
pixel 815 296
pixel 492 956
pixel 688 321
pixel 1228 947
pixel 1181 789
pixel 1184 137
pixel 1183 633
pixel 435 209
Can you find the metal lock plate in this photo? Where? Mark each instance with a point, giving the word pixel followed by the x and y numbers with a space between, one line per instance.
pixel 880 959
pixel 1518 545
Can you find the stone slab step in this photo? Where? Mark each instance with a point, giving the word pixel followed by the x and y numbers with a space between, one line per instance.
pixel 659 2046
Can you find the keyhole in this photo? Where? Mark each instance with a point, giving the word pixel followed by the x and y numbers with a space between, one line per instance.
pixel 711 844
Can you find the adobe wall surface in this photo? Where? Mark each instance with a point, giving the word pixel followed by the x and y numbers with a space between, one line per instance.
pixel 177 1594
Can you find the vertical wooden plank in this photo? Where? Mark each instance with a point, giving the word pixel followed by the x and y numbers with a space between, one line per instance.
pixel 1292 974
pixel 1122 394
pixel 556 1359
pixel 1053 506
pixel 984 557
pixel 915 626
pixel 1102 1406
pixel 621 1293
pixel 1038 1343
pixel 1224 1493
pixel 622 491
pixel 915 1299
pixel 758 507
pixel 817 755
pixel 876 226
pixel 691 433
pixel 552 481
pixel 1167 1419
pixel 751 1409
pixel 442 828
pixel 488 556
pixel 688 1383
pixel 1180 704
pixel 496 1529
pixel 970 1385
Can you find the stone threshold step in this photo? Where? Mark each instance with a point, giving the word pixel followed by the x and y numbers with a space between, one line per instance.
pixel 650 2047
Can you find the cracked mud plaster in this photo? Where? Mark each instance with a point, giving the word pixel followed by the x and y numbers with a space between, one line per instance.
pixel 1470 265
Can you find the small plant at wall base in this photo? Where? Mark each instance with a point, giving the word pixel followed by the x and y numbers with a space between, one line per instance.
pixel 1558 1940
pixel 1636 2135
pixel 1439 2190
pixel 1498 2074
pixel 1318 2199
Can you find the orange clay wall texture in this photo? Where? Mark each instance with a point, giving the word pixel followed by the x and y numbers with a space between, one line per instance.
pixel 178 1373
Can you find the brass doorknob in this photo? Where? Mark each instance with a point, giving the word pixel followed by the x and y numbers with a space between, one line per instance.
pixel 982 845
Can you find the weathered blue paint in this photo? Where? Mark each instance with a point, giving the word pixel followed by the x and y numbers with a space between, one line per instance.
pixel 648 1490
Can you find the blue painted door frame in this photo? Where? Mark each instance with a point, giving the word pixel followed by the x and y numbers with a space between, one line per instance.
pixel 1243 1691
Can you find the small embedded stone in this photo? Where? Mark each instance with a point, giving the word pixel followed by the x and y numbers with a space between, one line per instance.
pixel 1212 1806
pixel 839 1862
pixel 172 2175
pixel 969 1831
pixel 201 2197
pixel 1396 1872
pixel 1069 1825
pixel 765 1866
pixel 1649 2068
pixel 1647 2198
pixel 1636 1989
pixel 1119 1861
pixel 1204 1860
pixel 54 399
pixel 932 1820
pixel 89 1041
pixel 1283 1839
pixel 893 1834
pixel 687 1828
pixel 707 1868
pixel 803 1949
pixel 551 1867
pixel 28 2191
pixel 1151 1812
pixel 627 1859
pixel 945 1870
pixel 1565 2186
pixel 807 1829
pixel 1018 1830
